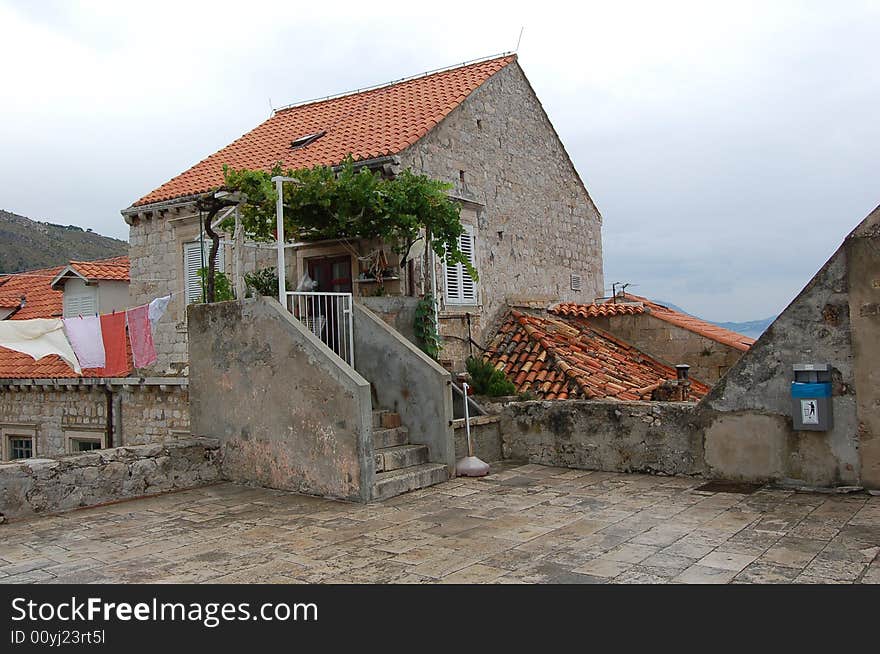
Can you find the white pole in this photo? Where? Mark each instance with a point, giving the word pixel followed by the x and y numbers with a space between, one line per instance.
pixel 467 420
pixel 279 214
pixel 436 302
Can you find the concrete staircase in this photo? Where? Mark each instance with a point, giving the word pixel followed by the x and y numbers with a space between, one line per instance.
pixel 400 466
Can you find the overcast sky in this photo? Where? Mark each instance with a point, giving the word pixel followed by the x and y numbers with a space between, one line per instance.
pixel 729 147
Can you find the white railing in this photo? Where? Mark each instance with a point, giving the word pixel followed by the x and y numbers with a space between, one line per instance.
pixel 327 316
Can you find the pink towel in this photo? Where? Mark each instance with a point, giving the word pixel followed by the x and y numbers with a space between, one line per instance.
pixel 84 334
pixel 143 352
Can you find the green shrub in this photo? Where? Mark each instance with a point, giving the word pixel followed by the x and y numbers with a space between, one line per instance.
pixel 487 379
pixel 425 329
pixel 222 286
pixel 263 281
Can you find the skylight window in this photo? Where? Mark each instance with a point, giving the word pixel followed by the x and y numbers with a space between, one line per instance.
pixel 308 139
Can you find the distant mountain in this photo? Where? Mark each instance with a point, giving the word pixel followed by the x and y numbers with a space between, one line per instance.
pixel 26 244
pixel 750 328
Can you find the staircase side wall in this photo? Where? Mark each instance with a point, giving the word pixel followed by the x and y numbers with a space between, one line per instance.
pixel 288 412
pixel 407 381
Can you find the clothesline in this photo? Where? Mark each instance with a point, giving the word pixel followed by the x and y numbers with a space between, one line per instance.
pixel 91 341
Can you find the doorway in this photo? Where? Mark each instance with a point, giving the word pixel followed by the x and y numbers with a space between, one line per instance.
pixel 333 274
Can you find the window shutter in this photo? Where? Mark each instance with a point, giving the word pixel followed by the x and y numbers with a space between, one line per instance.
pixel 83 304
pixel 192 263
pixel 460 286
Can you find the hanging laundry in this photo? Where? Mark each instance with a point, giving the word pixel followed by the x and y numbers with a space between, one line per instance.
pixel 113 333
pixel 84 334
pixel 38 337
pixel 158 307
pixel 140 334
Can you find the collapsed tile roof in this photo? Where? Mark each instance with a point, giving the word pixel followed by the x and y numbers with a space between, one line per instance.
pixel 367 124
pixel 558 359
pixel 628 304
pixel 41 300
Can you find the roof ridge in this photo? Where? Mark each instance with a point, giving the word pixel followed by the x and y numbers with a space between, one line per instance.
pixel 402 80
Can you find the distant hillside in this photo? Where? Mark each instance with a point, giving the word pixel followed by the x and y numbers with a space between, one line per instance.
pixel 26 244
pixel 750 328
pixel 753 328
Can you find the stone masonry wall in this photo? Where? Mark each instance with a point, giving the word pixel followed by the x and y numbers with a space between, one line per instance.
pixel 155 247
pixel 38 486
pixel 654 437
pixel 148 414
pixel 709 360
pixel 536 223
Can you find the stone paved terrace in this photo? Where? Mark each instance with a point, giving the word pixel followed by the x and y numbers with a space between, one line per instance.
pixel 524 523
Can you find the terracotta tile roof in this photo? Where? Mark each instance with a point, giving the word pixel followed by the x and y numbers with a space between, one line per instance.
pixel 368 124
pixel 42 301
pixel 701 327
pixel 557 359
pixel 114 269
pixel 597 310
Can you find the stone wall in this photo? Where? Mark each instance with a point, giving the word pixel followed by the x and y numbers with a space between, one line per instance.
pixel 53 411
pixel 398 311
pixel 709 360
pixel 535 222
pixel 155 248
pixel 39 486
pixel 653 437
pixel 288 412
pixel 485 436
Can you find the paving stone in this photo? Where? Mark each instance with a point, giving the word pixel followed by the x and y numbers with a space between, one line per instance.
pixel 547 525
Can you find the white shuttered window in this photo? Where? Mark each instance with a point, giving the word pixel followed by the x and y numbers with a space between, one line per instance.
pixel 192 262
pixel 460 286
pixel 82 303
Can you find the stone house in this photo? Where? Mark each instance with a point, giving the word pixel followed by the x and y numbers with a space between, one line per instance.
pixel 532 231
pixel 671 336
pixel 46 409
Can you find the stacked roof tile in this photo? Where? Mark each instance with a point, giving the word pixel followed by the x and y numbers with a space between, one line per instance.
pixel 42 301
pixel 596 310
pixel 555 359
pixel 366 125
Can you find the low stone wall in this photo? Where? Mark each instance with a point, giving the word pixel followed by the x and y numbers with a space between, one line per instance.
pixel 36 486
pixel 485 435
pixel 653 437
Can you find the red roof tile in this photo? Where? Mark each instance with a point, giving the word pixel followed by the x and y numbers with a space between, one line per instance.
pixel 114 269
pixel 597 310
pixel 634 304
pixel 42 301
pixel 701 327
pixel 576 361
pixel 367 124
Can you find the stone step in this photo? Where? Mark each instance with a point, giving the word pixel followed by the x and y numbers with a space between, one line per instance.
pixel 390 437
pixel 386 419
pixel 401 456
pixel 395 482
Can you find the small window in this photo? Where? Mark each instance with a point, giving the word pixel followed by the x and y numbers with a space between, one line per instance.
pixel 308 139
pixel 85 441
pixel 576 282
pixel 21 447
pixel 461 289
pixel 194 259
pixel 83 303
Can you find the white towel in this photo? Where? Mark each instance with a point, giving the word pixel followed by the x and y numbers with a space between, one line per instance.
pixel 38 337
pixel 84 334
pixel 158 307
